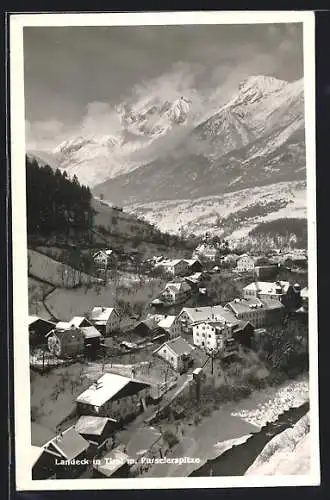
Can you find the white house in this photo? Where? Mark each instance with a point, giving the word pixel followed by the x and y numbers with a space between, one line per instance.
pixel 244 264
pixel 175 267
pixel 177 352
pixel 113 396
pixel 207 251
pixel 170 325
pixel 107 319
pixel 176 292
pixel 265 289
pixel 89 331
pixel 103 258
pixel 190 315
pixel 211 334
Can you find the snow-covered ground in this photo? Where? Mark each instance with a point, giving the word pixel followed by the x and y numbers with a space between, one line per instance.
pixel 203 214
pixel 288 453
pixel 266 405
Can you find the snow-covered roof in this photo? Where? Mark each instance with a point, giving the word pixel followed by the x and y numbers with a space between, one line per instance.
pixel 104 389
pixel 266 287
pixel 101 314
pixel 179 286
pixel 64 325
pixel 208 313
pixel 70 443
pixel 78 320
pixel 111 462
pixel 88 424
pixel 245 305
pixel 179 346
pixel 167 322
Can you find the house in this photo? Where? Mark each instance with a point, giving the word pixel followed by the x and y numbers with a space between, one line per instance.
pixel 66 340
pixel 66 455
pixel 38 329
pixel 176 292
pixel 211 334
pixel 258 312
pixel 244 264
pixel 170 326
pixel 190 315
pixel 243 333
pixel 266 289
pixel 114 464
pixel 265 271
pixel 97 430
pixel 177 352
pixel 145 328
pixel 207 251
pixel 175 267
pixel 194 279
pixel 114 396
pixel 103 258
pixel 194 265
pixel 105 319
pixel 91 334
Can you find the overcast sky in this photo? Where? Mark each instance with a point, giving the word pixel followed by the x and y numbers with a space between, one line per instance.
pixel 68 69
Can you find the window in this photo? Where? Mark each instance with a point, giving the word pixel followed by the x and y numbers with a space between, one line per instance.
pixel 209 335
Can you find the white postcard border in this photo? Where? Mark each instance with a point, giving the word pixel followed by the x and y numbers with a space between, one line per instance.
pixel 19 237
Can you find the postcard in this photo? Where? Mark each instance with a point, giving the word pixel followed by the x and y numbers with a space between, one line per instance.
pixel 164 250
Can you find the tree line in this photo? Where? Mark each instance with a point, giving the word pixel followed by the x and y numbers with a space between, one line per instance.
pixel 55 203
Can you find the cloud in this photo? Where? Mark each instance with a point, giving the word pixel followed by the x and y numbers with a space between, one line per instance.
pixel 41 134
pixel 100 119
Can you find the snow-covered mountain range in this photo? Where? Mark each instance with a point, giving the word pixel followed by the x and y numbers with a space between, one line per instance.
pixel 193 147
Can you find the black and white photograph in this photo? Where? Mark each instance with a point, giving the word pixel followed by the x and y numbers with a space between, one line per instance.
pixel 164 250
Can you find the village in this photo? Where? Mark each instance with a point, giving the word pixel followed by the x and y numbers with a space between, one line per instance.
pixel 115 384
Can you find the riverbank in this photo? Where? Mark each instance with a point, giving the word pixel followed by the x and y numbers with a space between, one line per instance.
pixel 288 453
pixel 231 425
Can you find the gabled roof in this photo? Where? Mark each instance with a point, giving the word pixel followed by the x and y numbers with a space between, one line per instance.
pixel 92 425
pixel 208 313
pixel 102 314
pixel 178 346
pixel 167 322
pixel 103 390
pixel 170 262
pixel 179 286
pixel 191 262
pixel 266 287
pixel 64 325
pixel 70 444
pixel 33 319
pixel 106 389
pixel 78 320
pixel 150 323
pixel 106 252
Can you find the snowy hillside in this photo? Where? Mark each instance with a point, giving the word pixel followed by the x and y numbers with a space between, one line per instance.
pixel 233 214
